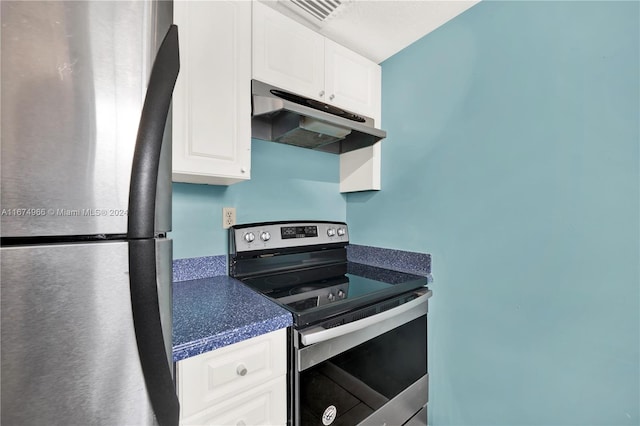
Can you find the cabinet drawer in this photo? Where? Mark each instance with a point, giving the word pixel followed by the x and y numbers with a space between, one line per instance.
pixel 209 378
pixel 264 405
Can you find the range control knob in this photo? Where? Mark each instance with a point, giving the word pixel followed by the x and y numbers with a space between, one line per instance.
pixel 249 237
pixel 331 297
pixel 341 232
pixel 265 236
pixel 341 294
pixel 331 232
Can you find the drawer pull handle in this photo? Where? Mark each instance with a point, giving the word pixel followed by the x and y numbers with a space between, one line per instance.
pixel 241 370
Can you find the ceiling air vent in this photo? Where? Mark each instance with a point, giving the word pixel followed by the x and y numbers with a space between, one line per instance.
pixel 320 10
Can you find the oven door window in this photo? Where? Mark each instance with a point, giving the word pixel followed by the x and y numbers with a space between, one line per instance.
pixel 349 387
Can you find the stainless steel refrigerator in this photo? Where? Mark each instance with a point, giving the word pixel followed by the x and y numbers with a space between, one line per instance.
pixel 86 207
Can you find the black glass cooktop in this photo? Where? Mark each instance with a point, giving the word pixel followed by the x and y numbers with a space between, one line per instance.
pixel 312 301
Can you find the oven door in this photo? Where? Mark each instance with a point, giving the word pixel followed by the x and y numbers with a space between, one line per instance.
pixel 372 371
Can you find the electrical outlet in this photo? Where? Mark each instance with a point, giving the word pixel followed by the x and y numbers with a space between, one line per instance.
pixel 228 217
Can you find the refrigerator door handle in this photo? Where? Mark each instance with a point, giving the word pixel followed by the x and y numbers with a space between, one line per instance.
pixel 146 157
pixel 142 252
pixel 148 329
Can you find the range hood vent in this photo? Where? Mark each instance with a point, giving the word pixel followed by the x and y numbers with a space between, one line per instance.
pixel 284 117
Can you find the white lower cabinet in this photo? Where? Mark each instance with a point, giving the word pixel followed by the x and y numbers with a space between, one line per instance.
pixel 261 406
pixel 241 384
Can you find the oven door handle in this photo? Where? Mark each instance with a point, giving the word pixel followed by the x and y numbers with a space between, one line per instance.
pixel 320 334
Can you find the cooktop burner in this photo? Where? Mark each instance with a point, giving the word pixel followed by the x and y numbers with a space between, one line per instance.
pixel 278 281
pixel 304 289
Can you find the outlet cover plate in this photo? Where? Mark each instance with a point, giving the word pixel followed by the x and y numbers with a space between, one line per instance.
pixel 228 217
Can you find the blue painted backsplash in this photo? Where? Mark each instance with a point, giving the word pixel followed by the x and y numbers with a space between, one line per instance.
pixel 287 183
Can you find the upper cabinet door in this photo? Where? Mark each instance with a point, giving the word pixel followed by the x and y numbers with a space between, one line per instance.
pixel 352 81
pixel 212 99
pixel 287 54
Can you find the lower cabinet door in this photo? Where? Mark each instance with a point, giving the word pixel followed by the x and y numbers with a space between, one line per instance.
pixel 263 405
pixel 212 378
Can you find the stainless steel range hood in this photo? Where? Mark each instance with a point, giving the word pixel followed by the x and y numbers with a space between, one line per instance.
pixel 281 116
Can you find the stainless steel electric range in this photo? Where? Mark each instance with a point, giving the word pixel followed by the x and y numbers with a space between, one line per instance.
pixel 358 347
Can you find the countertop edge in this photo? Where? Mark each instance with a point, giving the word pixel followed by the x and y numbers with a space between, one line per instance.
pixel 231 336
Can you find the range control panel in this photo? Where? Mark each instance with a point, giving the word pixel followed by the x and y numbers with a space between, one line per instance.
pixel 276 235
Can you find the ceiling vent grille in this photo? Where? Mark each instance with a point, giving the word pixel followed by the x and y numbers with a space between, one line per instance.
pixel 320 10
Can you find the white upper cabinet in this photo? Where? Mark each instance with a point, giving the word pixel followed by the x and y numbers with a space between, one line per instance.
pixel 286 54
pixel 352 81
pixel 212 98
pixel 295 58
pixel 360 169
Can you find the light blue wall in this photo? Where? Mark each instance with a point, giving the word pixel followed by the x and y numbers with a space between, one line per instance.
pixel 287 183
pixel 513 158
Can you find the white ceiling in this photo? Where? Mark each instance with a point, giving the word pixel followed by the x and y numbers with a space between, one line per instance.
pixel 377 29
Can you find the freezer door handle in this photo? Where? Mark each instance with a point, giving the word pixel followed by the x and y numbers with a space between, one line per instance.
pixel 142 251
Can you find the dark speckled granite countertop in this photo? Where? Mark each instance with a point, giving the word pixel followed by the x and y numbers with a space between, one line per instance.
pixel 210 313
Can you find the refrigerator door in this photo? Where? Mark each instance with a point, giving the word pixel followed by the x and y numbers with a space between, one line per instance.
pixel 69 353
pixel 74 76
